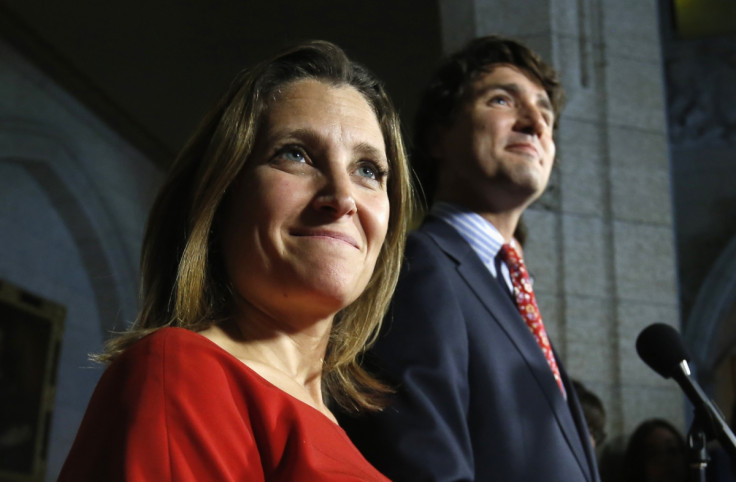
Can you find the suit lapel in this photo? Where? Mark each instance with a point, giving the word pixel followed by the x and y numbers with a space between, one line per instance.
pixel 503 311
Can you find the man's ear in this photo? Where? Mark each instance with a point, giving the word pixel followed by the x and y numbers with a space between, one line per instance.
pixel 435 141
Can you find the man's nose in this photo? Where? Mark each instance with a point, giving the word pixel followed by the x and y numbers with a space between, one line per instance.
pixel 530 120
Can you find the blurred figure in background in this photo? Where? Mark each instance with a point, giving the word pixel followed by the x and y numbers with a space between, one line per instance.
pixel 594 411
pixel 656 452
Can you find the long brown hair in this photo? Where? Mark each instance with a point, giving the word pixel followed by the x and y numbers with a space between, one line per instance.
pixel 183 282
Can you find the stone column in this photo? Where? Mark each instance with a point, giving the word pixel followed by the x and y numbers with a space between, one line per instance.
pixel 601 238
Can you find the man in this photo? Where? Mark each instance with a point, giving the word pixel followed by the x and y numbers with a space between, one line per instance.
pixel 479 393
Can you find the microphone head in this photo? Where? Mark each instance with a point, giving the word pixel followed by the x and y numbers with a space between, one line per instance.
pixel 661 347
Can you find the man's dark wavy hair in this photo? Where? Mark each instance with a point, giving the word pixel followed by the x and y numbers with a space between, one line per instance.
pixel 448 86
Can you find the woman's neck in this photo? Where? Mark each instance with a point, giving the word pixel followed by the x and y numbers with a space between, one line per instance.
pixel 289 358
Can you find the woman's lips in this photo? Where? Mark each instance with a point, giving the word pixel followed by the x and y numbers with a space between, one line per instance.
pixel 325 233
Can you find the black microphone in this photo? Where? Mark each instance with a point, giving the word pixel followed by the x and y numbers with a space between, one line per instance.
pixel 661 347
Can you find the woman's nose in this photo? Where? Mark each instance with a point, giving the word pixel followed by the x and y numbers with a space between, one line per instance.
pixel 336 196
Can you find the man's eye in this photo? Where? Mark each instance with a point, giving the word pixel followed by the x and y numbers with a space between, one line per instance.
pixel 500 100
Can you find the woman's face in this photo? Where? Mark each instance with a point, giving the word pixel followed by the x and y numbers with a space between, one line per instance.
pixel 665 457
pixel 308 214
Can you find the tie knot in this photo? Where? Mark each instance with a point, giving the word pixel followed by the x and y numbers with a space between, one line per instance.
pixel 517 269
pixel 509 254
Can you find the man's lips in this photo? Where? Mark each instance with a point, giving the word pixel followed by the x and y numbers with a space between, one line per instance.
pixel 523 147
pixel 325 233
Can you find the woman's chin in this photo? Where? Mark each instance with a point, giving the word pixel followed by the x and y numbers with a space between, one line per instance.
pixel 329 302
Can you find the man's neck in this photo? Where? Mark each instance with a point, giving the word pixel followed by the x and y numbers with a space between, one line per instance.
pixel 503 211
pixel 505 221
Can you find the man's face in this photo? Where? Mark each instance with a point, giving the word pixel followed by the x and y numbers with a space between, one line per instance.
pixel 498 151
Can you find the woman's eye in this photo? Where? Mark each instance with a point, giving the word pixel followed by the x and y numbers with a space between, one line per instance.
pixel 292 154
pixel 367 171
pixel 500 100
pixel 371 170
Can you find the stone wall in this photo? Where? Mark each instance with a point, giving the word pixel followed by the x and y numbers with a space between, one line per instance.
pixel 73 201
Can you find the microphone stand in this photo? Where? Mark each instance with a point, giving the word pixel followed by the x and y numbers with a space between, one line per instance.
pixel 708 424
pixel 697 453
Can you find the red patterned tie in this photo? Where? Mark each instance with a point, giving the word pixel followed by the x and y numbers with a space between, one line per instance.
pixel 527 305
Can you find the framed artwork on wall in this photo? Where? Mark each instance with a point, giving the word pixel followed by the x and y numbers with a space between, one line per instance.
pixel 31 330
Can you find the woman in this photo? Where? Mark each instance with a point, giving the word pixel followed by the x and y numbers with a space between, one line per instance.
pixel 269 260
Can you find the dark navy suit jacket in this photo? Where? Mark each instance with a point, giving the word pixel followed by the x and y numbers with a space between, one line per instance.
pixel 475 397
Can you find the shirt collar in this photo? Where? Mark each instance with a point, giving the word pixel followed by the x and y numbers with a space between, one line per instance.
pixel 480 234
